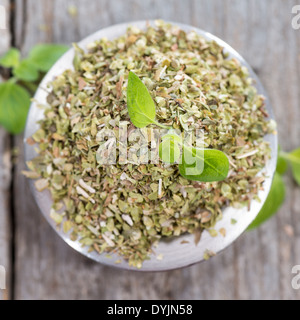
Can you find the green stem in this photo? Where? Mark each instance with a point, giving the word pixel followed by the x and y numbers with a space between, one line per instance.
pixel 12 80
pixel 161 125
pixel 30 86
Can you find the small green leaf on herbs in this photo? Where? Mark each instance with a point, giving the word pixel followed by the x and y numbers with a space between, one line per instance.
pixel 26 71
pixel 43 56
pixel 141 107
pixel 205 165
pixel 233 221
pixel 273 202
pixel 11 59
pixel 14 105
pixel 169 150
pixel 172 135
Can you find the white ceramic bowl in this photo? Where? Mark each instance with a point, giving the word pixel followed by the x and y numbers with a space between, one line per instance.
pixel 175 253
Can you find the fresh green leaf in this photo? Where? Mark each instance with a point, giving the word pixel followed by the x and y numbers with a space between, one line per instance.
pixel 173 136
pixel 204 165
pixel 294 158
pixel 14 105
pixel 273 202
pixel 169 150
pixel 43 56
pixel 141 107
pixel 282 165
pixel 26 71
pixel 11 58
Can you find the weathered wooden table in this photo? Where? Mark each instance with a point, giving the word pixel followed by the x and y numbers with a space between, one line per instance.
pixel 258 265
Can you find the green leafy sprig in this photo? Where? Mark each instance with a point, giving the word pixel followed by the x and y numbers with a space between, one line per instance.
pixel 26 73
pixel 142 112
pixel 277 192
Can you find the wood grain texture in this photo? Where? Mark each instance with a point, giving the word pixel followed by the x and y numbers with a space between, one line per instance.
pixel 5 196
pixel 258 265
pixel 5 176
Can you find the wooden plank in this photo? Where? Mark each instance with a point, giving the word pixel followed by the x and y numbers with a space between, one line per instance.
pixel 258 265
pixel 5 196
pixel 5 170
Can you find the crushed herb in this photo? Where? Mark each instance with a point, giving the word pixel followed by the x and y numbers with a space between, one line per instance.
pixel 126 206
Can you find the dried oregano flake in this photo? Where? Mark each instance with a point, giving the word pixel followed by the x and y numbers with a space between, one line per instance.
pixel 126 207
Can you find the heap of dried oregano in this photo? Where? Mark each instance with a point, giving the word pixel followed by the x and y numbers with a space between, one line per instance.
pixel 128 207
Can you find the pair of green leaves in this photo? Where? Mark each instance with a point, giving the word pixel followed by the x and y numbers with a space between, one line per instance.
pixel 196 164
pixel 40 59
pixel 14 98
pixel 276 195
